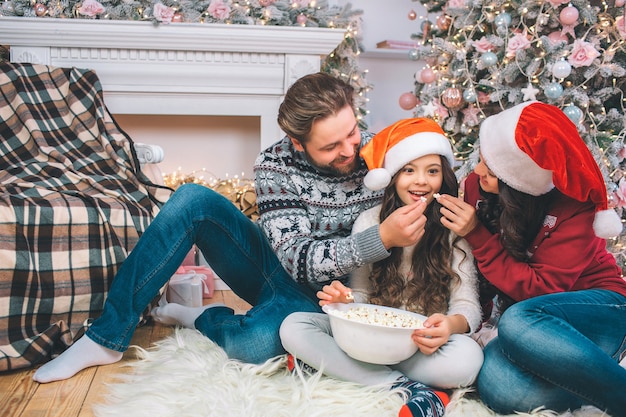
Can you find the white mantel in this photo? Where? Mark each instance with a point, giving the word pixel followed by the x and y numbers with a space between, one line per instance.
pixel 181 68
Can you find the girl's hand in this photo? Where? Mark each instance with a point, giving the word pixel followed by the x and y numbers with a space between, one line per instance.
pixel 336 292
pixel 436 332
pixel 458 216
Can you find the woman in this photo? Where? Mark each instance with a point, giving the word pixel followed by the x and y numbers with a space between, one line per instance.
pixel 434 276
pixel 536 216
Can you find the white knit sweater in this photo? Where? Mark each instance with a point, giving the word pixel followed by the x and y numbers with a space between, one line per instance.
pixel 463 297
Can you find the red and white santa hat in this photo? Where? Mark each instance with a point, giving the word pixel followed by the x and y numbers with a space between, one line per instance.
pixel 398 144
pixel 534 147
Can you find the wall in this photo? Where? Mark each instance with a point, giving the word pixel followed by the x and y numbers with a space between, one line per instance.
pixel 222 145
pixel 229 145
pixel 390 71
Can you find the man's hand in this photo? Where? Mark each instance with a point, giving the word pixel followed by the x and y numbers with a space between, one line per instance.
pixel 458 216
pixel 404 227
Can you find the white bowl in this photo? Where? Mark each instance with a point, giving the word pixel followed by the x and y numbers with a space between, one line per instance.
pixel 381 343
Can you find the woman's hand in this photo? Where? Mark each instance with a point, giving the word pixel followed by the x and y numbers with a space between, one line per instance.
pixel 336 292
pixel 436 332
pixel 458 216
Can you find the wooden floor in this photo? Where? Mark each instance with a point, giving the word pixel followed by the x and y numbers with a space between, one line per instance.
pixel 20 396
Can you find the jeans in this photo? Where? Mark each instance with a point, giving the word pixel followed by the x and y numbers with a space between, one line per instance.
pixel 560 351
pixel 237 250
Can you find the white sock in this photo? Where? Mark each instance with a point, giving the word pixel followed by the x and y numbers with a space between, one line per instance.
pixel 82 354
pixel 179 315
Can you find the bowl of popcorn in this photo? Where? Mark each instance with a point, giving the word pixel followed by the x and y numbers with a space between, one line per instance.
pixel 372 333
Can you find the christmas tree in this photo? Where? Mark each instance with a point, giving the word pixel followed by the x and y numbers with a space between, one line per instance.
pixel 478 57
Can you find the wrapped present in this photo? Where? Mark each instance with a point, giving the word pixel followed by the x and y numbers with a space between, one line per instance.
pixel 205 273
pixel 185 289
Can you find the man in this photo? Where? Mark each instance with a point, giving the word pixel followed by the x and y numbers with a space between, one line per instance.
pixel 309 189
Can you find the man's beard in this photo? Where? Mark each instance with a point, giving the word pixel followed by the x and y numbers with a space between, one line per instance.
pixel 333 168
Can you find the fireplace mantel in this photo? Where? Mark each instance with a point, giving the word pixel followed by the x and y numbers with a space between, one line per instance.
pixel 178 69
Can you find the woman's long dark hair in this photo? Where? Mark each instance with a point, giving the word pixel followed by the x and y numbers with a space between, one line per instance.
pixel 428 289
pixel 518 217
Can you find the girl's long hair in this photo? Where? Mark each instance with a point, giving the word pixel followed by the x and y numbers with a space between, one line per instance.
pixel 427 290
pixel 518 217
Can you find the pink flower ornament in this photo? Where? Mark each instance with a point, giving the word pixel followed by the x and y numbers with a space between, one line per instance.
pixel 455 4
pixel 620 24
pixel 483 45
pixel 91 8
pixel 441 110
pixel 620 194
pixel 219 10
pixel 483 98
pixel 163 13
pixel 582 55
pixel 517 43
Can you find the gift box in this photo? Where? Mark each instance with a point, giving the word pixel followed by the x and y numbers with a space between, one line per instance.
pixel 206 275
pixel 186 289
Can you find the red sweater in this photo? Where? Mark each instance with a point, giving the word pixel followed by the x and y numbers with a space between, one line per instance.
pixel 566 255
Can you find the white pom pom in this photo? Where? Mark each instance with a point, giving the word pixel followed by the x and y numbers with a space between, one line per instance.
pixel 607 224
pixel 377 179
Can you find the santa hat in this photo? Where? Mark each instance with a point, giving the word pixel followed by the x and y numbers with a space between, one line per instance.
pixel 534 147
pixel 398 144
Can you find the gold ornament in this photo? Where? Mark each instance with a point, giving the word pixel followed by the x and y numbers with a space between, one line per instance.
pixel 443 22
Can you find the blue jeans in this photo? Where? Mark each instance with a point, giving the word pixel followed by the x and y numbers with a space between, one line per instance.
pixel 238 251
pixel 560 351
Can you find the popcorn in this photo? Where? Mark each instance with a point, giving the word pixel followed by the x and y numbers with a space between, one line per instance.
pixel 436 196
pixel 381 317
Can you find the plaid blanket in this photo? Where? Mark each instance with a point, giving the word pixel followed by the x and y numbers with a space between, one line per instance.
pixel 73 203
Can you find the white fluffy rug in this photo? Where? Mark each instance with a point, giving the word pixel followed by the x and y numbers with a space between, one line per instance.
pixel 187 375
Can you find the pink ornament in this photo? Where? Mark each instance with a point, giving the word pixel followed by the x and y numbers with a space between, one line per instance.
pixel 619 3
pixel 412 15
pixel 569 15
pixel 428 75
pixel 408 101
pixel 301 19
pixel 557 36
pixel 452 98
pixel 620 24
pixel 40 9
pixel 177 18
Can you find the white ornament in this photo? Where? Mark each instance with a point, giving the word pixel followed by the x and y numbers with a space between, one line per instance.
pixel 430 109
pixel 561 69
pixel 530 92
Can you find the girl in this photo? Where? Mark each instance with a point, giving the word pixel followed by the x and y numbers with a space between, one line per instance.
pixel 434 276
pixel 536 215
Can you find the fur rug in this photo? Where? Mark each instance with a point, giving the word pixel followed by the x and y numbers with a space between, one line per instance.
pixel 187 375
